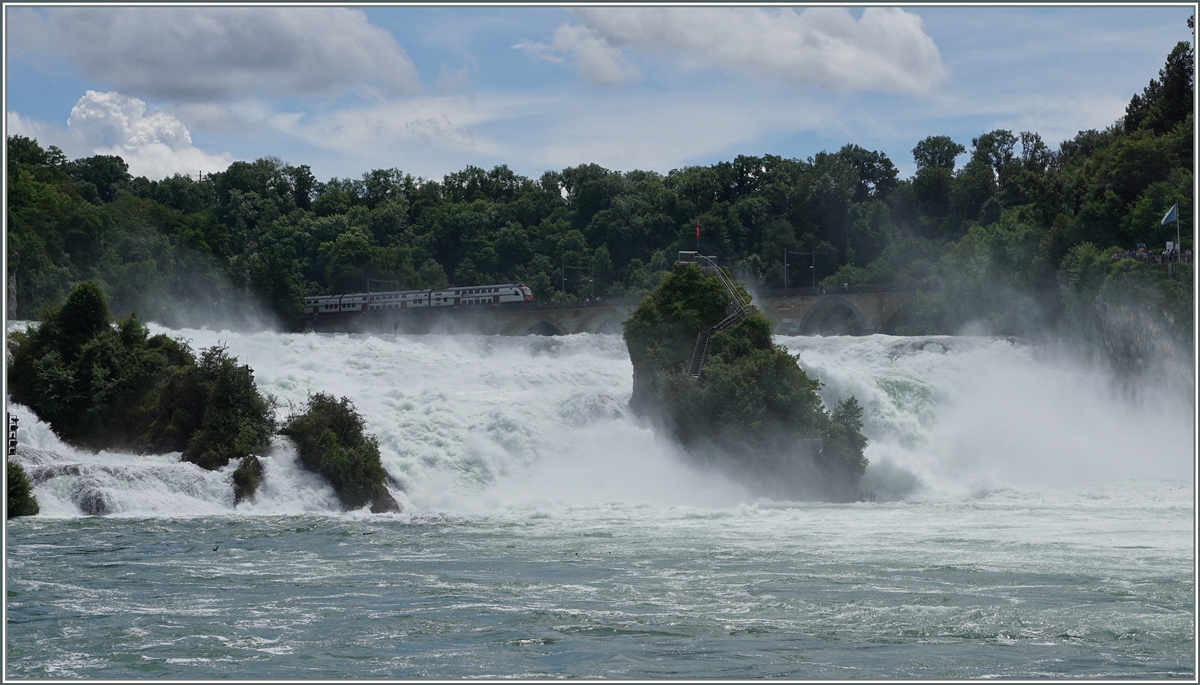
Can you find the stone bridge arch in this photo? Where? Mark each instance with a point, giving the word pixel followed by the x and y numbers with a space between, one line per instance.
pixel 824 306
pixel 543 326
pixel 612 325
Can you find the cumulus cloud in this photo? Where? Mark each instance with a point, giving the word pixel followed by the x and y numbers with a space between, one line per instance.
pixel 155 145
pixel 594 59
pixel 199 53
pixel 884 50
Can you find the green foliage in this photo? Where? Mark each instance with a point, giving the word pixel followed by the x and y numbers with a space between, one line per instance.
pixel 235 419
pixel 661 332
pixel 1167 101
pixel 937 152
pixel 331 441
pixel 756 411
pixel 101 385
pixel 88 379
pixel 246 478
pixel 992 232
pixel 19 493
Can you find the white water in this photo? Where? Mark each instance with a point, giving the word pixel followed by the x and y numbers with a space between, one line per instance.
pixel 478 423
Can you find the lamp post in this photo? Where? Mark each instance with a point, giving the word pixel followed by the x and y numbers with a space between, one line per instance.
pixel 591 268
pixel 813 267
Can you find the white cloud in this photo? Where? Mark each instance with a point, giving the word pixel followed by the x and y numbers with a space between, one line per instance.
pixel 436 122
pixel 113 120
pixel 198 53
pixel 1055 117
pixel 432 136
pixel 595 60
pixel 884 50
pixel 443 130
pixel 155 145
pixel 667 133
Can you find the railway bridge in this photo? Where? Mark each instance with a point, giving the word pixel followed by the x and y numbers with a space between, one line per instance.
pixel 857 310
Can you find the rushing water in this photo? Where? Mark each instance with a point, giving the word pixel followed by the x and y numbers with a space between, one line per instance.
pixel 1030 521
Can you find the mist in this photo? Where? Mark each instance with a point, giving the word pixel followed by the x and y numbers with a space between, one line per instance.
pixel 193 292
pixel 479 423
pixel 951 415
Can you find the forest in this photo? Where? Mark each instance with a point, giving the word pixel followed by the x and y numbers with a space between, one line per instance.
pixel 1021 239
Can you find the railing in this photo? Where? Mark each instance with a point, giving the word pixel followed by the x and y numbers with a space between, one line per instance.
pixel 735 310
pixel 838 290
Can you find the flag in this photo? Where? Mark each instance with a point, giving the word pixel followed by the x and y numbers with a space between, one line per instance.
pixel 1172 215
pixel 697 231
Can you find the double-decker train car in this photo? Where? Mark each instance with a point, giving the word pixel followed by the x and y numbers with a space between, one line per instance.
pixel 325 305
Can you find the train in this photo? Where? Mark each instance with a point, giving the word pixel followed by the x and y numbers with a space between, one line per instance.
pixel 473 296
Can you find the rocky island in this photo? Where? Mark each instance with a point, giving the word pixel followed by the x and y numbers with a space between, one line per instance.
pixel 102 385
pixel 707 374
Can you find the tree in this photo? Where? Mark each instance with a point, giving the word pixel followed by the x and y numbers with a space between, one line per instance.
pixel 331 440
pixel 81 318
pixel 107 173
pixel 937 151
pixel 1167 100
pixel 18 492
pixel 876 173
pixel 235 419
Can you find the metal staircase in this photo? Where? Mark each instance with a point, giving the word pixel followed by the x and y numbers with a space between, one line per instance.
pixel 735 311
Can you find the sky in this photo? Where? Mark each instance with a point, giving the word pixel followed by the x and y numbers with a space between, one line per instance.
pixel 431 90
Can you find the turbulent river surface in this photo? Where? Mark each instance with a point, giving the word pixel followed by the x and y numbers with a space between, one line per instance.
pixel 1030 520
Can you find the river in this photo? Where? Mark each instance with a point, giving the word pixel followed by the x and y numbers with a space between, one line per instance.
pixel 1031 520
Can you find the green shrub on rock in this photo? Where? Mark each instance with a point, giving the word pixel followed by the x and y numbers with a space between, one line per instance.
pixel 246 478
pixel 235 419
pixel 756 413
pixel 18 492
pixel 330 439
pixel 91 381
pixel 104 386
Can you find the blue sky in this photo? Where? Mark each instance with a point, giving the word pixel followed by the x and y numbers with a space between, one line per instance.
pixel 431 90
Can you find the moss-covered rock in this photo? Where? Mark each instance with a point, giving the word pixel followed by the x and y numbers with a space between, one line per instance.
pixel 18 492
pixel 236 420
pixel 105 386
pixel 246 478
pixel 755 414
pixel 331 441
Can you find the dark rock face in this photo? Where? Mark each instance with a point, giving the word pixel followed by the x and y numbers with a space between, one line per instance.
pixel 89 495
pixel 385 504
pixel 246 478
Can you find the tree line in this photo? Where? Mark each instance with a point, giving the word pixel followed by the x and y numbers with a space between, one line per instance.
pixel 1021 236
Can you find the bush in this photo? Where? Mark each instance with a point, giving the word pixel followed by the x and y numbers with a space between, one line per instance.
pixel 756 412
pixel 330 439
pixel 104 386
pixel 21 501
pixel 246 478
pixel 90 380
pixel 236 420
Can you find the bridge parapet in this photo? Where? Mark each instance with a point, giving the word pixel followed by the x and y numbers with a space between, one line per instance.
pixel 804 311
